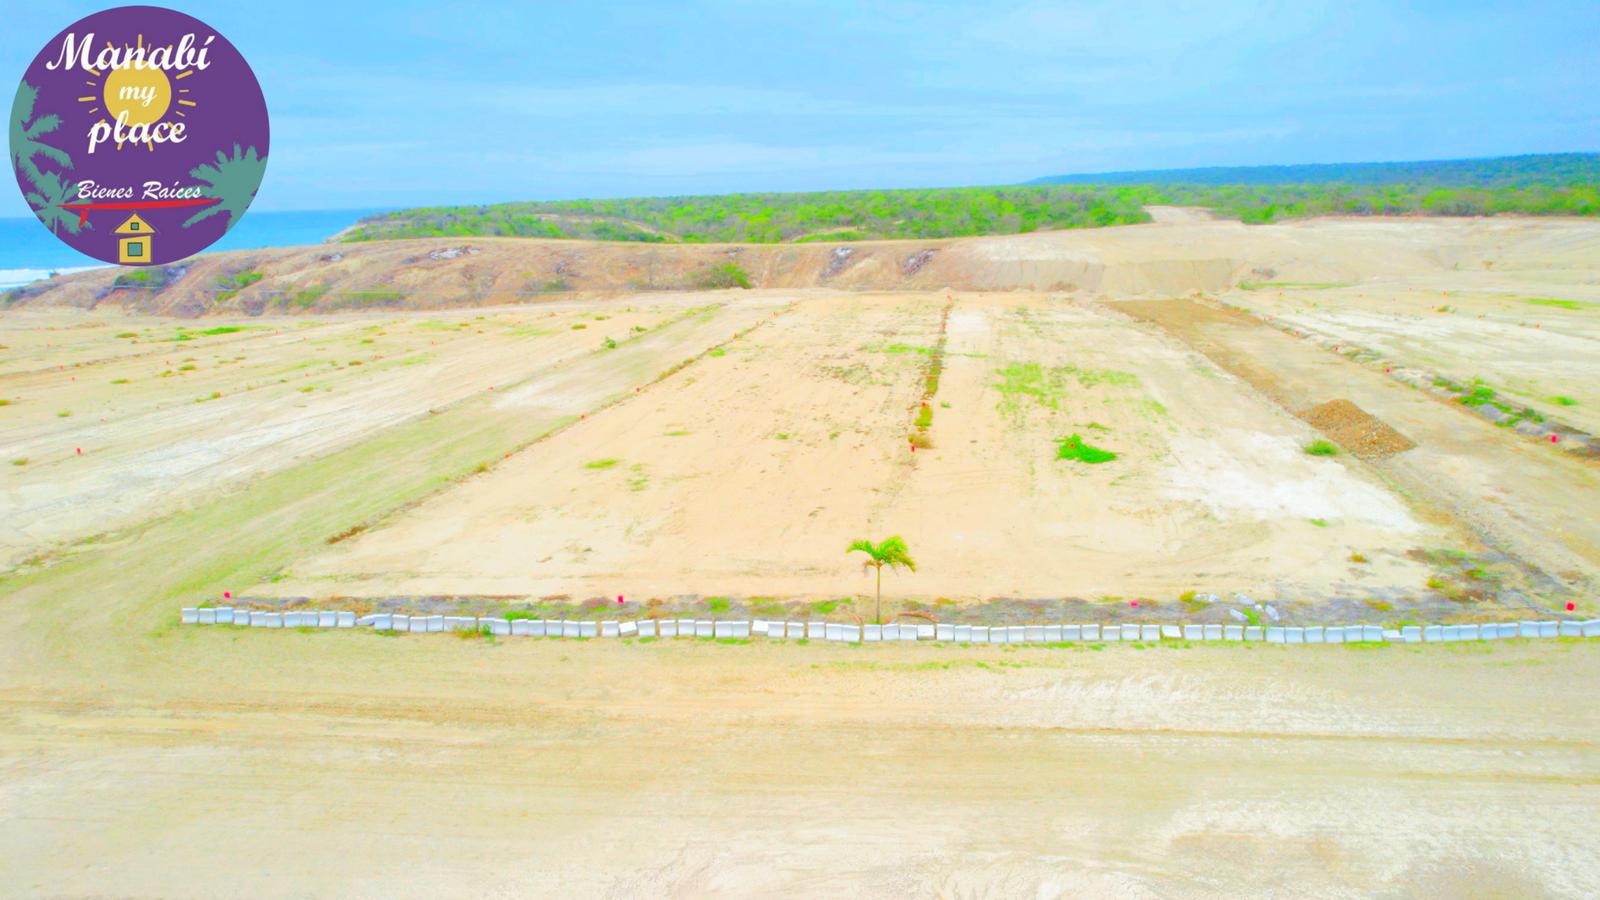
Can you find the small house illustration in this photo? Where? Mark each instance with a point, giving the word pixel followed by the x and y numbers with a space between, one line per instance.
pixel 134 244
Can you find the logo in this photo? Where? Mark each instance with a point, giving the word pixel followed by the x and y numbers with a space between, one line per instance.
pixel 139 135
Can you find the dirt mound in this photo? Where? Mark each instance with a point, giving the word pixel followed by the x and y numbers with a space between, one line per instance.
pixel 1352 428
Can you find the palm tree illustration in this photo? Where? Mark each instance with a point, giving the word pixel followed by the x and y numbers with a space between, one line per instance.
pixel 890 552
pixel 232 181
pixel 49 188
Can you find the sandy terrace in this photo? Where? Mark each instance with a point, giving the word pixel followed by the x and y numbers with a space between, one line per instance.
pixel 749 472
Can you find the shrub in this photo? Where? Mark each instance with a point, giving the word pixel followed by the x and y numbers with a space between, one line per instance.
pixel 1321 447
pixel 727 275
pixel 1076 448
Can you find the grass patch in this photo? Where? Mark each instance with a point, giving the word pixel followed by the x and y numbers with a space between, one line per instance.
pixel 20 461
pixel 1563 400
pixel 1077 449
pixel 727 275
pixel 1320 523
pixel 1320 447
pixel 1558 303
pixel 718 605
pixel 600 463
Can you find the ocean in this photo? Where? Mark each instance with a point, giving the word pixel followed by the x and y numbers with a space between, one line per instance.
pixel 28 252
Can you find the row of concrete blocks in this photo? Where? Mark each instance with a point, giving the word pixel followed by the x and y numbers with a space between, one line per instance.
pixel 833 631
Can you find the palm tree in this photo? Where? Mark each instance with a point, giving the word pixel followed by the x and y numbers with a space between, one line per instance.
pixel 892 553
pixel 232 180
pixel 25 133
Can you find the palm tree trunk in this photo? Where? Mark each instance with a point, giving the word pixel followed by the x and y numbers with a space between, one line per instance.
pixel 877 614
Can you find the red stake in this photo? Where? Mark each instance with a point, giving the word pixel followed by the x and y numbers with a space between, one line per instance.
pixel 619 598
pixel 1571 607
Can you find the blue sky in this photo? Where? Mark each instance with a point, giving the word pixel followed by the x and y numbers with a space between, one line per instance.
pixel 398 103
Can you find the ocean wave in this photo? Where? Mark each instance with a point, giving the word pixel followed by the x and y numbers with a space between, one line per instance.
pixel 10 278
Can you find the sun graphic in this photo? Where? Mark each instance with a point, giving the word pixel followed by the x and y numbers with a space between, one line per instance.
pixel 143 95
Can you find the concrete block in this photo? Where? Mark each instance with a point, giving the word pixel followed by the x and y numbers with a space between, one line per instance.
pixel 816 630
pixel 1548 629
pixel 1570 628
pixel 628 629
pixel 327 620
pixel 569 629
pixel 910 632
pixel 538 627
pixel 399 623
pixel 268 619
pixel 891 632
pixel 1213 632
pixel 1052 634
pixel 926 632
pixel 1254 632
pixel 962 634
pixel 522 627
pixel 1233 632
pixel 224 615
pixel 1369 633
pixel 874 633
pixel 1016 634
pixel 371 621
pixel 1033 634
pixel 1170 632
pixel 1293 635
pixel 1110 632
pixel 741 629
pixel 419 624
pixel 205 616
pixel 999 634
pixel 1391 635
pixel 1314 634
pixel 1071 633
pixel 1467 633
pixel 1432 634
pixel 497 626
pixel 648 628
pixel 722 629
pixel 1275 634
pixel 435 624
pixel 1333 634
pixel 759 626
pixel 344 619
pixel 703 628
pixel 835 631
pixel 291 619
pixel 189 615
pixel 796 630
pixel 460 623
pixel 1591 628
pixel 1149 632
pixel 588 629
pixel 610 628
pixel 944 632
pixel 1091 632
pixel 980 634
pixel 1411 634
pixel 852 633
pixel 667 628
pixel 1194 632
pixel 1528 629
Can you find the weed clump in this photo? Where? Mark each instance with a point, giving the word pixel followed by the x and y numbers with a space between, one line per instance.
pixel 1320 447
pixel 1076 448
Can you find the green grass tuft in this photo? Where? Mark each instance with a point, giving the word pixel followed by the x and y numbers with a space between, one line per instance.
pixel 1321 447
pixel 1076 448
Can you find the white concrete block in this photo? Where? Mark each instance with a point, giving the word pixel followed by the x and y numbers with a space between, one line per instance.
pixel 1254 632
pixel 741 629
pixel 852 633
pixel 419 624
pixel 649 628
pixel 1333 634
pixel 1170 632
pixel 628 629
pixel 224 615
pixel 1015 634
pixel 399 623
pixel 999 634
pixel 1591 628
pixel 460 623
pixel 1110 632
pixel 1071 633
pixel 538 627
pixel 795 630
pixel 1052 634
pixel 378 621
pixel 1432 634
pixel 1548 629
pixel 926 632
pixel 835 631
pixel 816 630
pixel 759 626
pixel 874 633
pixel 1091 632
pixel 205 616
pixel 1213 632
pixel 522 627
pixel 327 619
pixel 1570 628
pixel 980 634
pixel 497 626
pixel 569 628
pixel 588 629
pixel 944 632
pixel 962 634
pixel 908 632
pixel 667 628
pixel 189 615
pixel 722 629
pixel 1274 634
pixel 1411 634
pixel 704 628
pixel 1468 633
pixel 435 624
pixel 1233 633
pixel 1369 633
pixel 1392 635
pixel 1149 632
pixel 1528 629
pixel 1294 635
pixel 1194 632
pixel 1314 634
pixel 1033 634
pixel 891 631
pixel 344 619
pixel 610 628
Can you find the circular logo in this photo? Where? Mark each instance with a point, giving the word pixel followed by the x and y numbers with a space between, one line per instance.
pixel 139 135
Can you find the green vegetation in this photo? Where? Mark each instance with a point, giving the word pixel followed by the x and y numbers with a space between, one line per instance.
pixel 1563 400
pixel 1561 304
pixel 600 463
pixel 891 552
pixel 223 329
pixel 1076 448
pixel 153 278
pixel 1320 447
pixel 1554 184
pixel 717 605
pixel 727 275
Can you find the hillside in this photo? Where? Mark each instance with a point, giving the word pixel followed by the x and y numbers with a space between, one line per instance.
pixel 1551 169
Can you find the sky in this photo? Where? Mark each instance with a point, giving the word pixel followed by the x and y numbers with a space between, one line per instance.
pixel 393 104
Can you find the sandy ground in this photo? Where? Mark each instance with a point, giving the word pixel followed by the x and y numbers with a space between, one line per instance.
pixel 752 471
pixel 752 434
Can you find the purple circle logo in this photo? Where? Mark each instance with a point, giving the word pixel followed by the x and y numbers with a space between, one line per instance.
pixel 139 135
